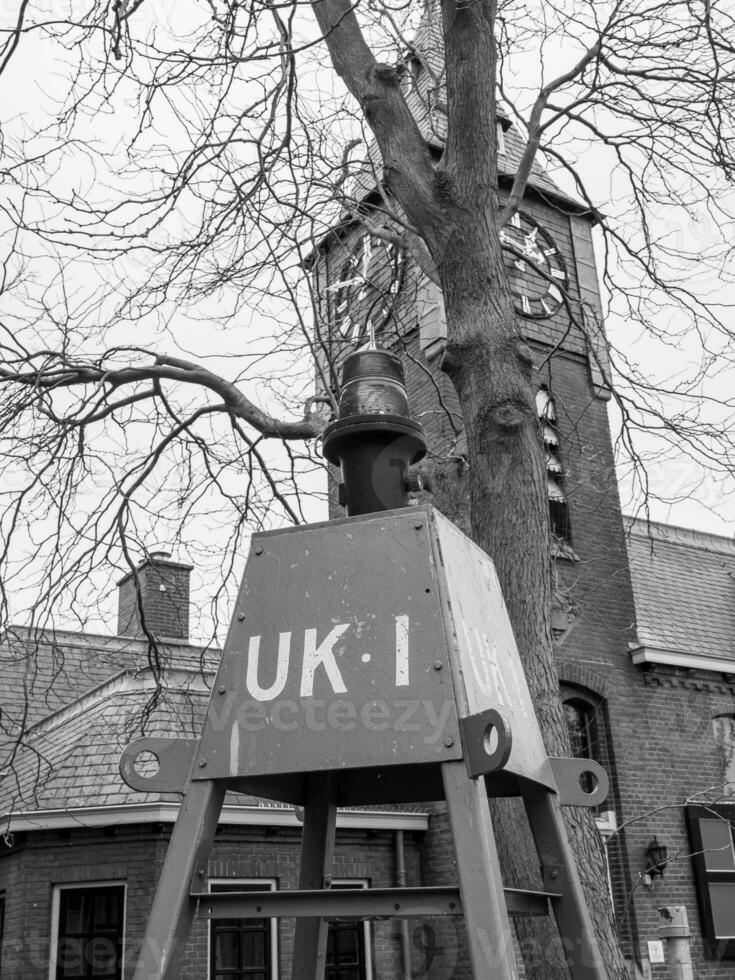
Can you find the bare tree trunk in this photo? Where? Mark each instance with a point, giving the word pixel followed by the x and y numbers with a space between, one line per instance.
pixel 492 370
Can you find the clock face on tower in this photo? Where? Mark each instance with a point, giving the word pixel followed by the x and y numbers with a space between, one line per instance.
pixel 535 295
pixel 368 282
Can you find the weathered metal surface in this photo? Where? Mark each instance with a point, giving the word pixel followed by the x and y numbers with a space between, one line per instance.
pixel 478 870
pixel 487 667
pixel 360 903
pixel 524 901
pixel 336 657
pixel 169 922
pixel 317 861
pixel 568 774
pixel 487 741
pixel 570 908
pixel 175 757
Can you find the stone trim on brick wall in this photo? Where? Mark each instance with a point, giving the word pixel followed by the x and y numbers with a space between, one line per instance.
pixel 570 673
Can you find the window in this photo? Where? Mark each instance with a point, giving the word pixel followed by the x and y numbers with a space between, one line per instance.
pixel 89 926
pixel 558 507
pixel 711 830
pixel 582 727
pixel 243 949
pixel 581 719
pixel 724 731
pixel 348 944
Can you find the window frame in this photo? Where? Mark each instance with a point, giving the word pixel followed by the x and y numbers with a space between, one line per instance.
pixel 716 948
pixel 56 914
pixel 263 884
pixel 723 745
pixel 358 883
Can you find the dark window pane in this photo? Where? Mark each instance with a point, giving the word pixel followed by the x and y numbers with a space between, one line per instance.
pixel 722 897
pixel 90 933
pixel 559 517
pixel 73 919
pixel 717 845
pixel 578 725
pixel 346 945
pixel 225 953
pixel 345 948
pixel 253 946
pixel 240 948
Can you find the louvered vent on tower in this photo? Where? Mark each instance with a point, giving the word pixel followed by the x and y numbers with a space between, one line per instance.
pixel 558 506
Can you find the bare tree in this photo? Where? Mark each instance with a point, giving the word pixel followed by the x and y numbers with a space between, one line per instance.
pixel 158 334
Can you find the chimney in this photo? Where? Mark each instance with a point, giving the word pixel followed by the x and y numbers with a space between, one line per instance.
pixel 164 593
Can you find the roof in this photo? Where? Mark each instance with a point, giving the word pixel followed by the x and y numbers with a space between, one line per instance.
pixel 73 712
pixel 44 670
pixel 684 592
pixel 70 758
pixel 426 99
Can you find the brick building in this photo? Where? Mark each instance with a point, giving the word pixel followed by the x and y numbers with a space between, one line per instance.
pixel 81 853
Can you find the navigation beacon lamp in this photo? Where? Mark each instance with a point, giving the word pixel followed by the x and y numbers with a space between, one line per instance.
pixel 373 441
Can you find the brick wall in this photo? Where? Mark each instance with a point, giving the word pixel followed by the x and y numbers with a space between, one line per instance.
pixel 134 855
pixel 162 588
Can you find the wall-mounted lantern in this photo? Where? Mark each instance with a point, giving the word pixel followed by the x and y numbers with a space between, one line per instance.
pixel 656 861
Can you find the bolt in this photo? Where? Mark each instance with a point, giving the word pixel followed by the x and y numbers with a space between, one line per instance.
pixel 222 689
pixel 554 874
pixel 449 742
pixel 241 616
pixel 259 549
pixel 202 763
pixel 418 525
pixel 438 665
pixel 200 872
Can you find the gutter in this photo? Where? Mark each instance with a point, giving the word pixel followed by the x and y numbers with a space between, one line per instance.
pixel 235 815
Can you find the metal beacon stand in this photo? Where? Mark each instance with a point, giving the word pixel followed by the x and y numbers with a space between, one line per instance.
pixel 392 623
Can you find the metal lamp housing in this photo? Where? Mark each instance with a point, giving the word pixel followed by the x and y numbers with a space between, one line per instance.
pixel 656 859
pixel 374 441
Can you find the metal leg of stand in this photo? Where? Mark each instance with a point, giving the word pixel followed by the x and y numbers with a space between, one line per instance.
pixel 317 855
pixel 570 909
pixel 173 907
pixel 480 884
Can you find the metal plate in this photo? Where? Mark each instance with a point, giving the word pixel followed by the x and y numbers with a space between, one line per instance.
pixel 581 782
pixel 174 757
pixel 486 665
pixel 336 657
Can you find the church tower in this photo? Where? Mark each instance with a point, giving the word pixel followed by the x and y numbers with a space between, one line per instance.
pixel 367 286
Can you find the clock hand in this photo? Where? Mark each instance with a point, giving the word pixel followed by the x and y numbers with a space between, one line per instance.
pixel 345 282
